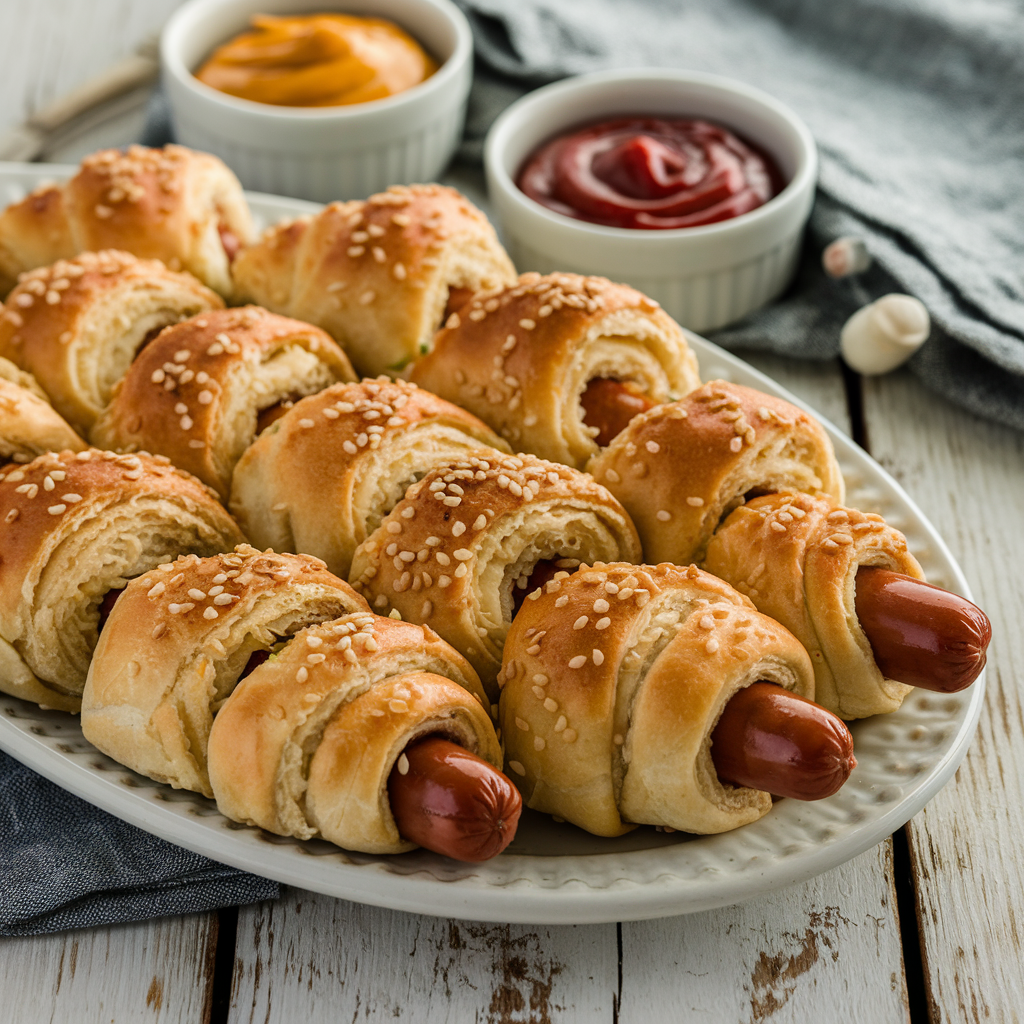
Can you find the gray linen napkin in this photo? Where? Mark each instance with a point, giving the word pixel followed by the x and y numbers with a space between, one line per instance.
pixel 917 107
pixel 66 864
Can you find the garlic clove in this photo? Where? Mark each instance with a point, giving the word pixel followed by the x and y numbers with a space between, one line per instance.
pixel 885 334
pixel 845 256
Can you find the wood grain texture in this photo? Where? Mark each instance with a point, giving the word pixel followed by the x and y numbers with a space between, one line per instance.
pixel 317 960
pixel 158 972
pixel 967 846
pixel 826 950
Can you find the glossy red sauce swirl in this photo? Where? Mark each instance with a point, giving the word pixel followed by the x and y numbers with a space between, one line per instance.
pixel 645 172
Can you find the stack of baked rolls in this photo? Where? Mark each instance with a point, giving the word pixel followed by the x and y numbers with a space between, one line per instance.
pixel 463 545
pixel 265 681
pixel 78 324
pixel 365 444
pixel 75 527
pixel 173 204
pixel 846 585
pixel 558 365
pixel 29 425
pixel 659 695
pixel 203 389
pixel 679 468
pixel 379 275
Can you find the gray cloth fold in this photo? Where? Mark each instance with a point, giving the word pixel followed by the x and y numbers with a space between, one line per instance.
pixel 66 864
pixel 917 107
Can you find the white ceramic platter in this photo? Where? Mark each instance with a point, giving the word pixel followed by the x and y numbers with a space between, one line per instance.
pixel 555 873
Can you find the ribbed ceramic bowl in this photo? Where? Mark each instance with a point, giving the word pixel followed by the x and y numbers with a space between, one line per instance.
pixel 705 277
pixel 323 153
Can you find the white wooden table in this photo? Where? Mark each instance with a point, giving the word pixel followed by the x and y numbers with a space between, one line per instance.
pixel 929 926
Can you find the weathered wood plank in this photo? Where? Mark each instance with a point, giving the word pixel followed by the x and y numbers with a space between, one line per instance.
pixel 967 846
pixel 827 950
pixel 313 959
pixel 160 972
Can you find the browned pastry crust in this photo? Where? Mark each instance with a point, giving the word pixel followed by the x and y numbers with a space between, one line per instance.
pixel 74 526
pixel 376 274
pixel 612 683
pixel 450 553
pixel 176 643
pixel 29 425
pixel 194 393
pixel 305 744
pixel 679 468
pixel 170 204
pixel 521 357
pixel 797 557
pixel 363 445
pixel 78 324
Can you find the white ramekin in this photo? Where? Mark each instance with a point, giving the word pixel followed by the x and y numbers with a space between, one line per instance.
pixel 321 153
pixel 705 277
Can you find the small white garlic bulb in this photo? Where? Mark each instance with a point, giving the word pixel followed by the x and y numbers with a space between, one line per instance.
pixel 883 335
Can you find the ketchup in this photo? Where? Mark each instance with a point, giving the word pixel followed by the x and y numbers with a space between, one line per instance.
pixel 645 172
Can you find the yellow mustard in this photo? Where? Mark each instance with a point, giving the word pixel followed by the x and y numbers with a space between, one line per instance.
pixel 318 60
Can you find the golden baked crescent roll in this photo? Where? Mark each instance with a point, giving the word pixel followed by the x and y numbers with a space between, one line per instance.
pixel 363 445
pixel 78 324
pixel 612 683
pixel 195 393
pixel 30 426
pixel 523 357
pixel 680 468
pixel 74 527
pixel 15 375
pixel 305 744
pixel 173 204
pixel 380 274
pixel 178 640
pixel 796 557
pixel 452 553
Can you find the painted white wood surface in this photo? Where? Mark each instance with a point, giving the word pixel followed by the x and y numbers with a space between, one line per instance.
pixel 968 843
pixel 158 972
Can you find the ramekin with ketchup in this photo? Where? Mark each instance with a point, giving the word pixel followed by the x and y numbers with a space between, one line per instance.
pixel 693 188
pixel 322 108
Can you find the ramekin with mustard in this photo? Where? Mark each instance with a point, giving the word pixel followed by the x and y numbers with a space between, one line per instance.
pixel 318 60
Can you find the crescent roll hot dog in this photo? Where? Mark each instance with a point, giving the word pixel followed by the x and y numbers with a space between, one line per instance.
pixel 559 364
pixel 845 583
pixel 195 393
pixel 464 539
pixel 365 444
pixel 312 740
pixel 73 527
pixel 613 683
pixel 681 467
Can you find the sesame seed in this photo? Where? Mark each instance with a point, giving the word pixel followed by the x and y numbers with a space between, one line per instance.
pixel 302 675
pixel 223 599
pixel 517 767
pixel 367 297
pixel 527 325
pixel 777 526
pixel 598 657
pixel 580 622
pixel 707 622
pixel 186 422
pixel 561 602
pixel 522 725
pixel 403 764
pixel 569 735
pixel 533 649
pixel 653 447
pixel 394 527
pixel 601 606
pixel 552 705
pixel 210 613
pixel 711 646
pixel 664 516
pixel 463 554
pixel 55 510
pixel 578 662
pixel 736 444
pixel 612 477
